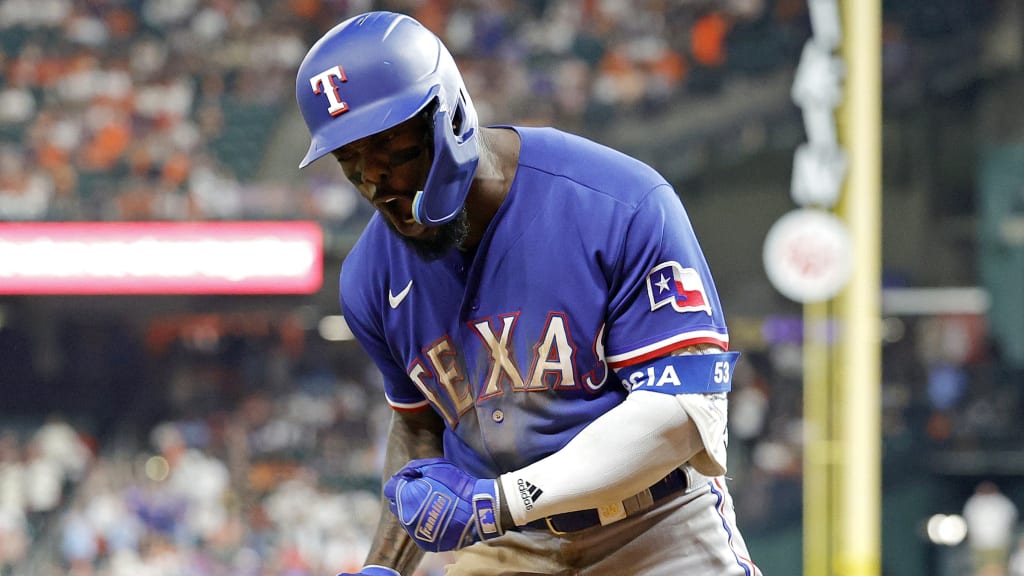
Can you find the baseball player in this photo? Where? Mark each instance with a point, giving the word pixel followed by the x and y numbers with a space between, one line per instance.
pixel 548 330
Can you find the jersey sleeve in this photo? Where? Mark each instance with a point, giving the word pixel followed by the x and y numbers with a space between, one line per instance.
pixel 663 297
pixel 399 390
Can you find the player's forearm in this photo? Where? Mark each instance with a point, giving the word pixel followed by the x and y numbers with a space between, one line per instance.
pixel 412 436
pixel 392 546
pixel 619 454
pixel 638 442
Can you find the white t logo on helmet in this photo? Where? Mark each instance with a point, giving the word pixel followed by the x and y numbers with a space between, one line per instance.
pixel 319 84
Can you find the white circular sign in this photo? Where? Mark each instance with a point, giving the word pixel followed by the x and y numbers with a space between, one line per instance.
pixel 808 255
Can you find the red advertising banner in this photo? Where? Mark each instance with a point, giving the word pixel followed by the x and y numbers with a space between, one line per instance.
pixel 161 258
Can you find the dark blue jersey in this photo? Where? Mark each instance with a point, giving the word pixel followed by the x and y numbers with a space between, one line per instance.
pixel 590 264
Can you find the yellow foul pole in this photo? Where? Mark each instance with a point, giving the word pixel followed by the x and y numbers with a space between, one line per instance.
pixel 857 404
pixel 818 449
pixel 832 264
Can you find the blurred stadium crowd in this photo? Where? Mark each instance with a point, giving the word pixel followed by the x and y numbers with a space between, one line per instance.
pixel 162 109
pixel 247 452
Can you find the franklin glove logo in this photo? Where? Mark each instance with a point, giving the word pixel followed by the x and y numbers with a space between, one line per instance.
pixel 438 506
pixel 529 493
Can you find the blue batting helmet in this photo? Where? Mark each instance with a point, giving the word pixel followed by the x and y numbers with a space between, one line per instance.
pixel 377 70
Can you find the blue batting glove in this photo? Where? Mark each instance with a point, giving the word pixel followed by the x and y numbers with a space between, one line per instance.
pixel 442 507
pixel 373 570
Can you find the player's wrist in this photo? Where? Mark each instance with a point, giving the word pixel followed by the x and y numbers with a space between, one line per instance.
pixel 487 508
pixel 516 508
pixel 507 522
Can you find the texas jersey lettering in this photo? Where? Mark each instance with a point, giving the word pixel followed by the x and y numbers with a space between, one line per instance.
pixel 511 342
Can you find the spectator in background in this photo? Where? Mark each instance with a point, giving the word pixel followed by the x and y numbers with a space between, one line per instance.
pixel 1016 567
pixel 79 542
pixel 13 524
pixel 58 441
pixel 25 190
pixel 991 523
pixel 707 39
pixel 44 486
pixel 14 540
pixel 12 473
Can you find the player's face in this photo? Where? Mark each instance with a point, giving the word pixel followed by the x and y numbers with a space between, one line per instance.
pixel 388 169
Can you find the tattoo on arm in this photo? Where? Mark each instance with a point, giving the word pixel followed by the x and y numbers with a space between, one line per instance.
pixel 412 435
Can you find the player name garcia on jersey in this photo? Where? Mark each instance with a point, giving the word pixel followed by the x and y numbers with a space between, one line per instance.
pixel 685 374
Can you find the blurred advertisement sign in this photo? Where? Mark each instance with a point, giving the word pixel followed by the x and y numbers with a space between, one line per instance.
pixel 808 255
pixel 161 258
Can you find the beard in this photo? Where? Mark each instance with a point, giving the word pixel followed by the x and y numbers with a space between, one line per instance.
pixel 451 234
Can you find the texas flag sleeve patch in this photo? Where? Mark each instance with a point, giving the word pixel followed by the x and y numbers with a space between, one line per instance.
pixel 669 284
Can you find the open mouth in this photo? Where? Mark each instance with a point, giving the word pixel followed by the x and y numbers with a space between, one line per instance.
pixel 398 209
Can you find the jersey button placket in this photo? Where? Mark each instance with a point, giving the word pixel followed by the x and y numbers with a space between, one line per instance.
pixel 498 416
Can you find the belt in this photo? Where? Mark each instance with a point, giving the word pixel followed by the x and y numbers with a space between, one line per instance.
pixel 672 484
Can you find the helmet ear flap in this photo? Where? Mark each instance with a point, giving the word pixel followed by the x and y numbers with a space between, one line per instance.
pixel 456 155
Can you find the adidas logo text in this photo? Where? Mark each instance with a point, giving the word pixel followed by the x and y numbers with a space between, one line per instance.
pixel 529 493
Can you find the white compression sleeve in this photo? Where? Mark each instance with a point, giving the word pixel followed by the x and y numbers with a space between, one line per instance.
pixel 619 454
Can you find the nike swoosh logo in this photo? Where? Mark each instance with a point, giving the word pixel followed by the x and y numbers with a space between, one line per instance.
pixel 395 299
